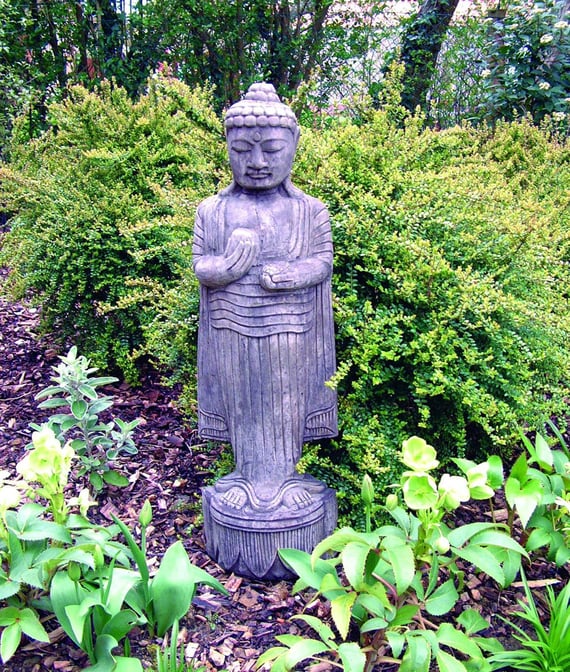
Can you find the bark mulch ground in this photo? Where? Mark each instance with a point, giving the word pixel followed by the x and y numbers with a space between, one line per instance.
pixel 220 633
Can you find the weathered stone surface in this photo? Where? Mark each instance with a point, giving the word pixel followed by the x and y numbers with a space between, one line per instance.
pixel 263 256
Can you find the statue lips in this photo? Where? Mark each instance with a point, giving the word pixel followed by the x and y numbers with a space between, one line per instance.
pixel 258 174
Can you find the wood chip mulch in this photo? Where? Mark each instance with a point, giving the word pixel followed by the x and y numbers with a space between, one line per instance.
pixel 219 633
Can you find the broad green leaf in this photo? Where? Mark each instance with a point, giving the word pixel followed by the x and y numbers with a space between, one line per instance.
pixel 119 625
pixel 542 452
pixel 373 624
pixel 352 657
pixel 449 636
pixel 397 641
pixel 49 392
pixel 8 615
pixel 103 380
pixel 10 640
pixel 96 481
pixel 460 535
pixel 498 538
pixel 341 612
pixel 404 615
pixel 63 593
pixel 401 557
pixel 519 469
pixel 32 627
pixel 495 475
pixel 272 654
pixel 524 499
pixel 373 604
pixel 8 588
pixel 339 539
pixel 448 663
pixel 443 599
pixel 174 585
pixel 472 621
pixel 310 571
pixel 36 529
pixel 322 629
pixel 354 556
pixel 113 477
pixel 306 648
pixel 418 655
pixel 483 560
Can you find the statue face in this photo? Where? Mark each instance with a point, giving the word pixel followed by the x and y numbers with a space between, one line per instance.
pixel 261 157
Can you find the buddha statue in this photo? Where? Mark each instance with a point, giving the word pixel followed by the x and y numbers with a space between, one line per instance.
pixel 262 253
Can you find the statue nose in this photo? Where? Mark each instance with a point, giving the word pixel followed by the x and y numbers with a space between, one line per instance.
pixel 257 158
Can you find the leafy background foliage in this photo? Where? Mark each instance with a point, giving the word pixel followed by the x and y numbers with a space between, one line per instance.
pixel 451 264
pixel 104 201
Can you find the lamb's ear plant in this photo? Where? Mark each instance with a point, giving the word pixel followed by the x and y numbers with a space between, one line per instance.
pixel 385 585
pixel 545 643
pixel 97 443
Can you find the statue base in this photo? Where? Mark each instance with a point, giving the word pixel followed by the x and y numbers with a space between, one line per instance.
pixel 244 535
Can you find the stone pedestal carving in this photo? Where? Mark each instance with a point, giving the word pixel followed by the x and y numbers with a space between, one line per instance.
pixel 263 256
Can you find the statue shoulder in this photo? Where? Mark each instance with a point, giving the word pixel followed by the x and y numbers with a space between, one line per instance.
pixel 207 207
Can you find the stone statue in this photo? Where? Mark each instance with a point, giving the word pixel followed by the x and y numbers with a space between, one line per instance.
pixel 263 257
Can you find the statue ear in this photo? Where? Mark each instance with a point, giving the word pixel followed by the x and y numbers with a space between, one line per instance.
pixel 296 135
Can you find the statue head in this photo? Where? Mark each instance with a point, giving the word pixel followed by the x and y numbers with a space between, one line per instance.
pixel 262 134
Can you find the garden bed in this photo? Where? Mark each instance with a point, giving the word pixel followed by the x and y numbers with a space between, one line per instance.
pixel 221 633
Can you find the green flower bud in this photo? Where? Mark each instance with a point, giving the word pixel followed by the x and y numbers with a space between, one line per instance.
pixel 145 516
pixel 367 490
pixel 74 571
pixel 442 545
pixel 392 502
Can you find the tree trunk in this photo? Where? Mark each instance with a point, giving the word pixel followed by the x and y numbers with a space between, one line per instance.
pixel 421 43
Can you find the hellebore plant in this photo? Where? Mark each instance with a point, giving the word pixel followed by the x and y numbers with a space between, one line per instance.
pixel 385 584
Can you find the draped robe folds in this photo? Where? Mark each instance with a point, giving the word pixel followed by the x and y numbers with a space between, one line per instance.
pixel 264 355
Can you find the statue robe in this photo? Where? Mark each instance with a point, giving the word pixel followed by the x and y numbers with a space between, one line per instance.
pixel 264 355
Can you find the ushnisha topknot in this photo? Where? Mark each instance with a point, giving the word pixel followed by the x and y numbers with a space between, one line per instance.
pixel 260 107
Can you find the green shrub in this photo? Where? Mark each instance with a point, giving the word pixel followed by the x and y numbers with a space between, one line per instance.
pixel 103 199
pixel 450 286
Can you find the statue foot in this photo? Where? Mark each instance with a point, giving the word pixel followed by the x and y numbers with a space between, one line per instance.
pixel 234 498
pixel 297 497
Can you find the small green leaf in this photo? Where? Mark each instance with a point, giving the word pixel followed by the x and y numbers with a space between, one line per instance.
pixel 322 629
pixel 88 391
pixel 79 408
pixel 448 663
pixel 113 477
pixel 484 560
pixel 402 562
pixel 32 627
pixel 449 636
pixel 543 453
pixel 354 556
pixel 443 599
pixel 306 648
pixel 96 481
pixel 352 657
pixel 472 621
pixel 341 612
pixel 418 655
pixel 11 637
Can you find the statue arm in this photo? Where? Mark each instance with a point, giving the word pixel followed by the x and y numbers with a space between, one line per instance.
pixel 309 271
pixel 218 270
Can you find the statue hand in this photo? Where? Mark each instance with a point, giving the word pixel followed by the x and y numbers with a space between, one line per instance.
pixel 241 251
pixel 279 275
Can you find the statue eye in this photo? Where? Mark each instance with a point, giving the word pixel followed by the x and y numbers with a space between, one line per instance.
pixel 271 146
pixel 241 146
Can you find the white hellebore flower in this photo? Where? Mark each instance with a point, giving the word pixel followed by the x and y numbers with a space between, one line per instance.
pixel 546 39
pixel 485 73
pixel 544 86
pixel 561 25
pixel 454 489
